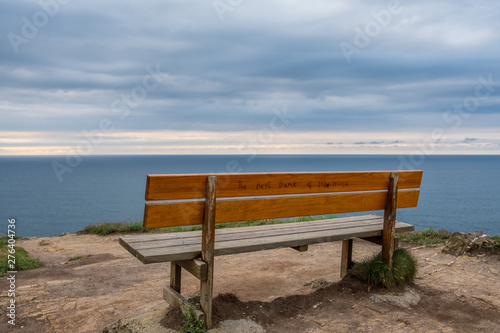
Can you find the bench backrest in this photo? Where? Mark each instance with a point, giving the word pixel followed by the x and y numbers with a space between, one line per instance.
pixel 254 196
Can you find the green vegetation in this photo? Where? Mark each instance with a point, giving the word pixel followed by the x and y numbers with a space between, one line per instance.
pixel 107 228
pixel 376 273
pixel 190 324
pixel 427 236
pixel 493 244
pixel 22 260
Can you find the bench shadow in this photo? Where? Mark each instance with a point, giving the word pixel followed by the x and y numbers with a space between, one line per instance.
pixel 229 307
pixel 294 313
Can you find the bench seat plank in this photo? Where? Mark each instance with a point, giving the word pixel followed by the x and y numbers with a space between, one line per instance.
pixel 295 228
pixel 132 243
pixel 187 245
pixel 284 226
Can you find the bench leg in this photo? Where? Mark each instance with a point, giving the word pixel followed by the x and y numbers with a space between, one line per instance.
pixel 389 231
pixel 208 250
pixel 175 276
pixel 206 291
pixel 346 260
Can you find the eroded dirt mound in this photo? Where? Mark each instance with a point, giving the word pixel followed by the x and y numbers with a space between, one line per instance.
pixel 347 303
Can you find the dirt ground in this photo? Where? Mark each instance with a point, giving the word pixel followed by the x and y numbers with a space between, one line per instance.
pixel 282 290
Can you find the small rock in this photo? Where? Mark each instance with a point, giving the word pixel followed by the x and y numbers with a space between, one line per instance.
pixel 44 242
pixel 409 298
pixel 318 283
pixel 460 243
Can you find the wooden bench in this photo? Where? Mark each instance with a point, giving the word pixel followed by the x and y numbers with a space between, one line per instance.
pixel 184 200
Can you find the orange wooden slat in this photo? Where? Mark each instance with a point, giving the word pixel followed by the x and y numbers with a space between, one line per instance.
pixel 183 213
pixel 171 187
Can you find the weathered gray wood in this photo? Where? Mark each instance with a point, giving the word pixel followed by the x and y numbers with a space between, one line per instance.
pixel 296 240
pixel 173 297
pixel 128 244
pixel 196 267
pixel 299 228
pixel 240 246
pixel 346 259
pixel 390 220
pixel 175 300
pixel 138 242
pixel 193 251
pixel 301 248
pixel 193 237
pixel 197 234
pixel 175 276
pixel 207 249
pixel 266 243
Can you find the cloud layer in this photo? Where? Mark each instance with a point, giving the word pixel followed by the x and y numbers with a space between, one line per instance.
pixel 225 76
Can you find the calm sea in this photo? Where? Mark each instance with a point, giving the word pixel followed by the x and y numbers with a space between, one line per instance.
pixel 459 193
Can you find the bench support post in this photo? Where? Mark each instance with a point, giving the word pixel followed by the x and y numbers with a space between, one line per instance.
pixel 175 276
pixel 390 220
pixel 196 267
pixel 346 260
pixel 378 240
pixel 207 249
pixel 301 248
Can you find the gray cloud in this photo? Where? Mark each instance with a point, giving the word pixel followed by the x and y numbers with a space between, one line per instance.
pixel 469 140
pixel 229 75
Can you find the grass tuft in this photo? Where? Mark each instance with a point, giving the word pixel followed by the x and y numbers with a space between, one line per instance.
pixel 75 258
pixel 428 236
pixel 107 228
pixel 376 273
pixel 493 244
pixel 190 324
pixel 405 267
pixel 22 260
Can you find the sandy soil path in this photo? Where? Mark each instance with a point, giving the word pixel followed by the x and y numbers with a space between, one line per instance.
pixel 283 290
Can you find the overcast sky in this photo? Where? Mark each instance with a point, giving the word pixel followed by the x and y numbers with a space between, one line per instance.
pixel 241 76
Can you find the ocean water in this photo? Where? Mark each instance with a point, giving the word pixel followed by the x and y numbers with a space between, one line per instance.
pixel 459 193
